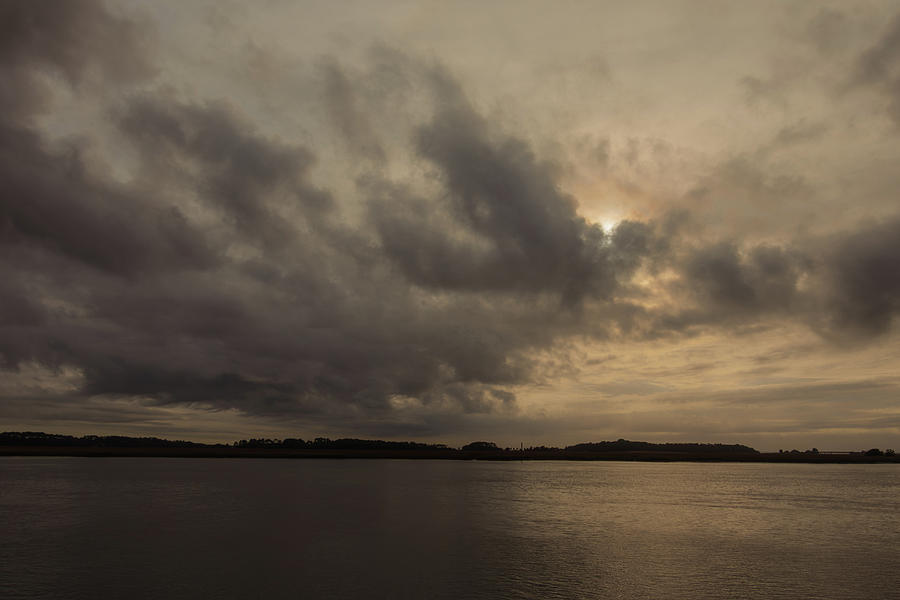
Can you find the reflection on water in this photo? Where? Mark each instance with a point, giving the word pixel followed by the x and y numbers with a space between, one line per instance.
pixel 185 528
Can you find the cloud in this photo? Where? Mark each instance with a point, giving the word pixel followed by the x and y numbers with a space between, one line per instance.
pixel 760 278
pixel 341 99
pixel 407 279
pixel 503 223
pixel 879 67
pixel 53 200
pixel 240 174
pixel 844 285
pixel 81 41
pixel 828 30
pixel 863 278
pixel 219 275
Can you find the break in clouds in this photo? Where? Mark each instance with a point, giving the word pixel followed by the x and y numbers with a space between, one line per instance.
pixel 369 242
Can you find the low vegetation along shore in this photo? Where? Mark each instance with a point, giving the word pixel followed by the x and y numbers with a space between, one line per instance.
pixel 43 444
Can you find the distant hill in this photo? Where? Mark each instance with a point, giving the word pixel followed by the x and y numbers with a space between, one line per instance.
pixel 621 445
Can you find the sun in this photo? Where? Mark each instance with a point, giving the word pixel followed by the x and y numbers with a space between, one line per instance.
pixel 608 223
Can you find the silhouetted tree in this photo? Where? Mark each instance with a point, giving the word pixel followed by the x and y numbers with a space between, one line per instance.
pixel 481 446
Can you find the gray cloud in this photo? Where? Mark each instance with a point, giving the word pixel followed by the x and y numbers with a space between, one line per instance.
pixel 828 30
pixel 844 285
pixel 879 67
pixel 78 40
pixel 341 99
pixel 74 37
pixel 53 200
pixel 237 172
pixel 254 296
pixel 863 278
pixel 762 278
pixel 503 223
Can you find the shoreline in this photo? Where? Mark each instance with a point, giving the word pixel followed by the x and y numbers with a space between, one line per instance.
pixel 449 454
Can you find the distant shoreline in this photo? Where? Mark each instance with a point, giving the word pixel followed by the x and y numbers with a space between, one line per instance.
pixel 448 454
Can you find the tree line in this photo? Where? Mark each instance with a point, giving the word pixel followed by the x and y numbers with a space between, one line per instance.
pixel 324 443
pixel 621 445
pixel 39 439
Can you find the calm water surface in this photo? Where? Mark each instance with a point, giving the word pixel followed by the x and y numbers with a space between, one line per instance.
pixel 205 528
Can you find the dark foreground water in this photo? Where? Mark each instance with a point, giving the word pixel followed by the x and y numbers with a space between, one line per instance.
pixel 204 528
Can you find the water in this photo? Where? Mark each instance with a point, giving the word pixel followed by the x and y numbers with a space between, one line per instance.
pixel 222 528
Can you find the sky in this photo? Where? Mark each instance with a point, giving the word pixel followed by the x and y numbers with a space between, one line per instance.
pixel 524 222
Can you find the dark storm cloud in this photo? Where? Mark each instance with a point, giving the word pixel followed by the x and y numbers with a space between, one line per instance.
pixel 52 199
pixel 503 223
pixel 242 175
pixel 79 40
pixel 73 36
pixel 220 275
pixel 863 278
pixel 309 324
pixel 844 284
pixel 762 278
pixel 16 307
